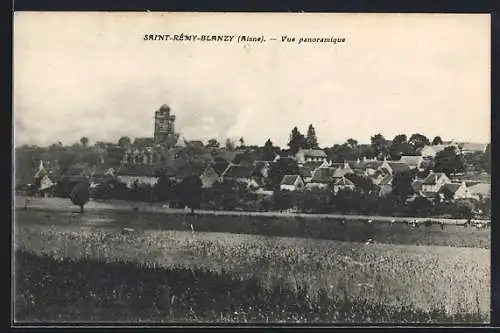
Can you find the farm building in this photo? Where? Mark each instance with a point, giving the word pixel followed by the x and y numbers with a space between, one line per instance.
pixel 292 183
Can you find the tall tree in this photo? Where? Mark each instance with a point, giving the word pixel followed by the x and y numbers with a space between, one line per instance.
pixel 352 143
pixel 486 159
pixel 311 138
pixel 400 139
pixel 379 145
pixel 437 141
pixel 190 192
pixel 297 140
pixel 418 140
pixel 213 143
pixel 229 144
pixel 124 142
pixel 400 146
pixel 242 142
pixel 84 141
pixel 80 194
pixel 268 153
pixel 449 162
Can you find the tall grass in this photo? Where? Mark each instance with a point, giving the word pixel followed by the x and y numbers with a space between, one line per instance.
pixel 49 289
pixel 453 280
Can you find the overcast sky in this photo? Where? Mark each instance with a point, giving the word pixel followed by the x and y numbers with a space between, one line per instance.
pixel 92 74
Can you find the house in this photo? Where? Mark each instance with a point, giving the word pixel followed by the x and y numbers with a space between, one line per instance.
pixel 433 182
pixel 324 175
pixel 142 174
pixel 43 181
pixel 371 166
pixel 391 168
pixel 471 148
pixel 307 170
pixel 139 155
pixel 343 183
pixel 310 155
pixel 413 162
pixel 377 177
pixel 479 190
pixel 239 174
pixel 385 186
pixel 292 183
pixel 454 191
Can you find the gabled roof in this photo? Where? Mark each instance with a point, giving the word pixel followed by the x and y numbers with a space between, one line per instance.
pixel 190 170
pixel 451 188
pixel 343 182
pixel 238 171
pixel 372 164
pixel 386 181
pixel 312 165
pixel 313 152
pixel 432 178
pixel 289 179
pixel 323 175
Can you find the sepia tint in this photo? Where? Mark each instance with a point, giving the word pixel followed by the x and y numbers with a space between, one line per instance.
pixel 251 168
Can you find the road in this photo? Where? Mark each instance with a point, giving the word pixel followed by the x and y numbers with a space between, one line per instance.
pixel 60 204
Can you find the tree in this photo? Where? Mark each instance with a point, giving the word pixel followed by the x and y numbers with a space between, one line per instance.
pixel 352 143
pixel 297 141
pixel 124 142
pixel 164 188
pixel 486 159
pixel 401 185
pixel 213 143
pixel 230 144
pixel 84 141
pixel 418 140
pixel 311 138
pixel 282 167
pixel 268 153
pixel 80 194
pixel 379 145
pixel 449 162
pixel 190 192
pixel 400 146
pixel 437 141
pixel 399 139
pixel 242 142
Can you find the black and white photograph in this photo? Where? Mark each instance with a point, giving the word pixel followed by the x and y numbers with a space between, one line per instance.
pixel 251 168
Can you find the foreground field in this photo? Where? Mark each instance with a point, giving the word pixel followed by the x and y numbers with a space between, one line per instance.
pixel 426 278
pixel 90 290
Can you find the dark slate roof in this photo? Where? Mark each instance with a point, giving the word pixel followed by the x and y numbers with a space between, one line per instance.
pixel 312 165
pixel 220 167
pixel 398 167
pixel 190 170
pixel 289 179
pixel 238 171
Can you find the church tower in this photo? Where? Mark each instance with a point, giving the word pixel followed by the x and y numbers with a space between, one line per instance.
pixel 164 131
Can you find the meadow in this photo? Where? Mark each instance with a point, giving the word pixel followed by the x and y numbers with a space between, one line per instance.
pixel 377 282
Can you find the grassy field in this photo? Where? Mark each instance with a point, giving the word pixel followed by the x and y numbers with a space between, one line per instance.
pixel 429 279
pixel 50 289
pixel 288 226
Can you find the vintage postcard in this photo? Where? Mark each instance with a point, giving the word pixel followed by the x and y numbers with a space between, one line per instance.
pixel 251 168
